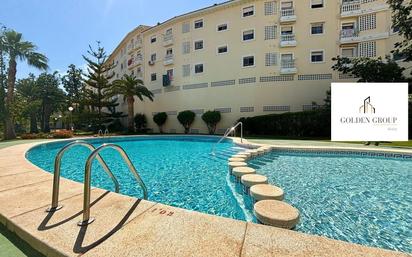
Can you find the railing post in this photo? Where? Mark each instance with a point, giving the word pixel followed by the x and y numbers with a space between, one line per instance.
pixel 57 168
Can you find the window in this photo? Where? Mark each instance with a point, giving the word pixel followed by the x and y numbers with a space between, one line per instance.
pixel 169 31
pixel 199 24
pixel 316 56
pixel 271 59
pixel 248 35
pixel 270 32
pixel 287 5
pixel 270 8
pixel 153 77
pixel 169 51
pixel 198 68
pixel 153 39
pixel 367 22
pixel 186 70
pixel 316 29
pixel 286 30
pixel 222 27
pixel 248 11
pixel 185 27
pixel 153 57
pixel 186 47
pixel 248 61
pixel 170 74
pixel 314 4
pixel 367 49
pixel 349 52
pixel 222 49
pixel 198 44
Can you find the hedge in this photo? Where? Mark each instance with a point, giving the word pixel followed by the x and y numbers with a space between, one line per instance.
pixel 314 123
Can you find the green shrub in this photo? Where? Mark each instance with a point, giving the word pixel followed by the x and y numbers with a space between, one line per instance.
pixel 211 118
pixel 314 123
pixel 140 122
pixel 186 118
pixel 160 119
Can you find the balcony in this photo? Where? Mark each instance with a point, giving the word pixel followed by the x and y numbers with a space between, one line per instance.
pixel 168 60
pixel 349 36
pixel 288 67
pixel 287 15
pixel 351 7
pixel 134 61
pixel 288 40
pixel 168 40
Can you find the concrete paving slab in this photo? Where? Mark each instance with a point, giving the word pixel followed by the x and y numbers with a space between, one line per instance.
pixel 27 198
pixel 23 179
pixel 60 230
pixel 264 241
pixel 168 231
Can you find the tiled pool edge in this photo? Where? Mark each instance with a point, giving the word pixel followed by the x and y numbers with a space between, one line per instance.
pixel 249 245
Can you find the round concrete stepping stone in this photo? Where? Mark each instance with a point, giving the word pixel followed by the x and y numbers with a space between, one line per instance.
pixel 241 171
pixel 236 164
pixel 237 159
pixel 253 152
pixel 266 192
pixel 276 213
pixel 253 179
pixel 243 156
pixel 244 153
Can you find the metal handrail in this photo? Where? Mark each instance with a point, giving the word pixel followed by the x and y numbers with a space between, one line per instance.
pixel 228 131
pixel 106 132
pixel 100 132
pixel 57 166
pixel 87 179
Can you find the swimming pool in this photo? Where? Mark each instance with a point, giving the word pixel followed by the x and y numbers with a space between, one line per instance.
pixel 359 199
pixel 178 171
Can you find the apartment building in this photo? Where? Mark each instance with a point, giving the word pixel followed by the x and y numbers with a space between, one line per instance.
pixel 247 58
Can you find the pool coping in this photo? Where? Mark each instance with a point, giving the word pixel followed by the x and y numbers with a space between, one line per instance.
pixel 25 191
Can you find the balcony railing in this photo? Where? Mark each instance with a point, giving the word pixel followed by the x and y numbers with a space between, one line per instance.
pixel 350 6
pixel 167 39
pixel 168 59
pixel 288 64
pixel 287 37
pixel 349 33
pixel 287 12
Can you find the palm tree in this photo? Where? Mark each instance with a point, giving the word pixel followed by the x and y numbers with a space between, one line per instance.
pixel 17 49
pixel 129 86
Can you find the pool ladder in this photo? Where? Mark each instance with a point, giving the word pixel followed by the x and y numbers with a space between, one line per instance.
pixel 95 154
pixel 227 133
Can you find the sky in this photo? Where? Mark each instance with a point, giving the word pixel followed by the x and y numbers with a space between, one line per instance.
pixel 63 29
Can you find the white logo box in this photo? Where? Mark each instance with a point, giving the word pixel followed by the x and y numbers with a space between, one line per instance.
pixel 369 111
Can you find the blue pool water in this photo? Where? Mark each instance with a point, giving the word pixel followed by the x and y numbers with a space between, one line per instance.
pixel 178 171
pixel 363 200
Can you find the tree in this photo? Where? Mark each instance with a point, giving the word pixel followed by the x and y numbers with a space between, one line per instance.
pixel 16 48
pixel 129 87
pixel 211 118
pixel 3 79
pixel 370 70
pixel 28 91
pixel 160 119
pixel 140 122
pixel 186 118
pixel 73 84
pixel 402 21
pixel 98 92
pixel 51 96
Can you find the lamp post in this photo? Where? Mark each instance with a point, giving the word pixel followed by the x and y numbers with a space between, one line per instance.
pixel 71 117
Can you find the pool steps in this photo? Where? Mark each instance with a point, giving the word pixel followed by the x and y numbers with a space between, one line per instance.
pixel 268 206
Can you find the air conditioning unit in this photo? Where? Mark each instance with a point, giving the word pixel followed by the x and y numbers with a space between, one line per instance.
pixel 151 62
